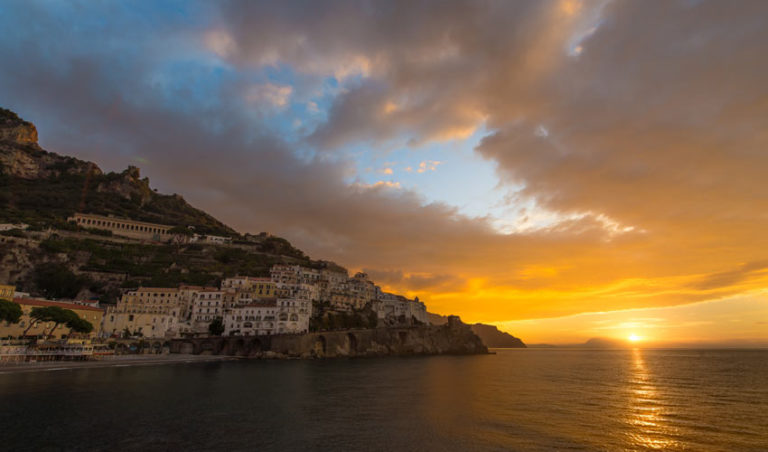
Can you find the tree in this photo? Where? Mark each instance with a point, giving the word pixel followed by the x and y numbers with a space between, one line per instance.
pixel 53 314
pixel 62 316
pixel 57 281
pixel 39 315
pixel 10 312
pixel 216 328
pixel 79 325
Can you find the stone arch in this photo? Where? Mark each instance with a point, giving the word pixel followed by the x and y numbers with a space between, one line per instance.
pixel 207 348
pixel 238 347
pixel 294 317
pixel 256 346
pixel 320 346
pixel 187 348
pixel 403 336
pixel 351 343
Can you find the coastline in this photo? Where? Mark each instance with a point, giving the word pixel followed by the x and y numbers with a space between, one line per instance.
pixel 122 361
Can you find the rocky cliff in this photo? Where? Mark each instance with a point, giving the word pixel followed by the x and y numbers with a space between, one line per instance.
pixel 455 338
pixel 492 337
pixel 43 188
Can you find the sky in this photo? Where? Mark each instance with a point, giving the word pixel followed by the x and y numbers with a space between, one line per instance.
pixel 562 169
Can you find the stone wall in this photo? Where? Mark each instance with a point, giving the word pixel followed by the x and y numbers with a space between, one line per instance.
pixel 423 340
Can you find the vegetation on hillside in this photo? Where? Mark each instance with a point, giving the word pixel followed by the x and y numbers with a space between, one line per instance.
pixel 50 201
pixel 149 265
pixel 43 189
pixel 9 115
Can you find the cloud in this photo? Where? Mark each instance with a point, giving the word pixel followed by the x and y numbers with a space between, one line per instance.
pixel 276 96
pixel 428 165
pixel 647 148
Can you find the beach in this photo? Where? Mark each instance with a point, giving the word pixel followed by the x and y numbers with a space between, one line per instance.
pixel 117 361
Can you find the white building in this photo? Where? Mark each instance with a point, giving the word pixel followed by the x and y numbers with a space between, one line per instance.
pixel 266 317
pixel 394 309
pixel 207 305
pixel 255 319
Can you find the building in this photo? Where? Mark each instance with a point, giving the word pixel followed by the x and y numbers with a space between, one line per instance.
pixel 211 239
pixel 257 287
pixel 255 319
pixel 11 226
pixel 362 290
pixel 123 227
pixel 207 305
pixel 7 292
pixel 147 311
pixel 91 314
pixel 392 309
pixel 267 317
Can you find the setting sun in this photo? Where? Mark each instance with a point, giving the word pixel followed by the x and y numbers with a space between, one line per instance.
pixel 634 338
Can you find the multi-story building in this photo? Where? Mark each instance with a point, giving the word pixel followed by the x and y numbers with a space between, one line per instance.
pixel 255 319
pixel 124 227
pixel 293 315
pixel 397 309
pixel 91 314
pixel 7 292
pixel 362 290
pixel 147 311
pixel 258 287
pixel 207 305
pixel 266 317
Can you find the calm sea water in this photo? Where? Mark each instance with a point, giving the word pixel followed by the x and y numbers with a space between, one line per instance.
pixel 515 400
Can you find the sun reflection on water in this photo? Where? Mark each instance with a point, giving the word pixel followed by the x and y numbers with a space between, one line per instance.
pixel 646 410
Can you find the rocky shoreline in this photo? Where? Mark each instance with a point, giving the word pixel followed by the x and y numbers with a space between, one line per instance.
pixel 454 338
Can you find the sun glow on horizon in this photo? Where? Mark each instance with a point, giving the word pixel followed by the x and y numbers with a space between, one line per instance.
pixel 634 338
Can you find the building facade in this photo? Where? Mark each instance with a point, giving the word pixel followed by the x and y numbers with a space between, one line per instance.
pixel 267 317
pixel 7 292
pixel 124 227
pixel 148 311
pixel 91 314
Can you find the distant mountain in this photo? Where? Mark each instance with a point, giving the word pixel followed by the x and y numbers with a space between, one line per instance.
pixel 601 342
pixel 490 334
pixel 595 342
pixel 43 188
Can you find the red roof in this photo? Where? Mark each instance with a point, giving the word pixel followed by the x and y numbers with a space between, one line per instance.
pixel 64 305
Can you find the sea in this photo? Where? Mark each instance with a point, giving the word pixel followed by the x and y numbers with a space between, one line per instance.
pixel 516 399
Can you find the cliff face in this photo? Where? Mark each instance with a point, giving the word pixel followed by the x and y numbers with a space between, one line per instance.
pixel 452 339
pixel 21 156
pixel 15 130
pixel 490 335
pixel 494 338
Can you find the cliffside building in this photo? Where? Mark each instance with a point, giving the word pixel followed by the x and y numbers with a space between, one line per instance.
pixel 123 227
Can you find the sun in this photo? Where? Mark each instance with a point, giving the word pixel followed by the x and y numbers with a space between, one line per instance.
pixel 634 338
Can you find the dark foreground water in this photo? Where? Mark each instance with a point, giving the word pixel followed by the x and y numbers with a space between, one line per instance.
pixel 514 400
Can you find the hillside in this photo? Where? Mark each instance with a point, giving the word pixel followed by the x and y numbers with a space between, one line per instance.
pixel 42 189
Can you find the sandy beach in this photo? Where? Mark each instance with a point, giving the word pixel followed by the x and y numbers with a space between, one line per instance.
pixel 118 361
